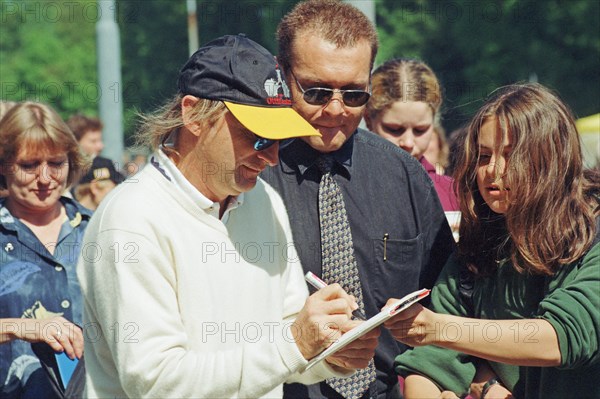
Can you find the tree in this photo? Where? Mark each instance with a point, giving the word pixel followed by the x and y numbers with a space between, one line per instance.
pixel 475 47
pixel 47 47
pixel 47 54
pixel 154 42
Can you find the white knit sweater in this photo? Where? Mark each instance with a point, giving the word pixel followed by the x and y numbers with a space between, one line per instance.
pixel 178 304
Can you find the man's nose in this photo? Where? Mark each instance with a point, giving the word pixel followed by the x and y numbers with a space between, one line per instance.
pixel 335 105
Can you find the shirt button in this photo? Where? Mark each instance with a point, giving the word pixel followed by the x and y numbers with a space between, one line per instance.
pixel 58 268
pixel 65 304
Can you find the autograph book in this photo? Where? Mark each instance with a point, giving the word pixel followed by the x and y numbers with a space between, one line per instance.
pixel 386 313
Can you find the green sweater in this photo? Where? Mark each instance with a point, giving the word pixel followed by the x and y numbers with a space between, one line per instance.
pixel 570 301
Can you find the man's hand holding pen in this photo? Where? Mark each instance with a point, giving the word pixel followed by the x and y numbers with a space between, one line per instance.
pixel 328 314
pixel 358 353
pixel 320 321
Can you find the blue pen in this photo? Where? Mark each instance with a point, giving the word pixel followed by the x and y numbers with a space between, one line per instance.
pixel 316 282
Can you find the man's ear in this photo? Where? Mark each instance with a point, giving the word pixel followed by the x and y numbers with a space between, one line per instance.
pixel 187 105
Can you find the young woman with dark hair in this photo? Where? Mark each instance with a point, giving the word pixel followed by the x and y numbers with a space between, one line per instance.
pixel 523 288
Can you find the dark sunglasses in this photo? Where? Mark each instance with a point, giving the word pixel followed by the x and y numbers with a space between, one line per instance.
pixel 258 143
pixel 322 95
pixel 261 143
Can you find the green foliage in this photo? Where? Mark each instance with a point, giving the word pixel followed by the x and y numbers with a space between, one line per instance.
pixel 155 42
pixel 475 47
pixel 257 19
pixel 47 54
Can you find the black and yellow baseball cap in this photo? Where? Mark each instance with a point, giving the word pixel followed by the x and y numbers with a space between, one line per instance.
pixel 246 77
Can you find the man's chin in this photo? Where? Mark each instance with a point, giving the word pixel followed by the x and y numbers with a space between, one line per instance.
pixel 326 143
pixel 246 184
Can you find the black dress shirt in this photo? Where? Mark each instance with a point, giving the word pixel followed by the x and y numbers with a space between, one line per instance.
pixel 386 191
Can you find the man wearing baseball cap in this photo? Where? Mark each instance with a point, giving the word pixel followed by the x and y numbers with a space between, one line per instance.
pixel 100 179
pixel 191 281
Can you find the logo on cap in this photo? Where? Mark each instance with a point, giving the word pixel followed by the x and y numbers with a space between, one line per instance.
pixel 101 174
pixel 272 88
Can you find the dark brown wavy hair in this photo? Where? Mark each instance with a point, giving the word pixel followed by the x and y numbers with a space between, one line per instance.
pixel 551 220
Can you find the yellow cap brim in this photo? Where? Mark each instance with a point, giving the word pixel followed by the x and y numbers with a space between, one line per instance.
pixel 271 122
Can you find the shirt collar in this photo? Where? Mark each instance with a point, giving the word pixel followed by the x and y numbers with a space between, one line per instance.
pixel 75 213
pixel 426 164
pixel 170 171
pixel 301 157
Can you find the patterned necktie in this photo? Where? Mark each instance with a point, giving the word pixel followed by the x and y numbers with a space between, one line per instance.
pixel 339 265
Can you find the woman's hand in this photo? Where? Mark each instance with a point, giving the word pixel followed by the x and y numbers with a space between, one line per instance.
pixel 58 332
pixel 414 326
pixel 498 391
pixel 448 395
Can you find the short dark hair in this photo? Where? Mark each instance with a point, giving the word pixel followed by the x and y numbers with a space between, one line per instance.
pixel 81 124
pixel 335 21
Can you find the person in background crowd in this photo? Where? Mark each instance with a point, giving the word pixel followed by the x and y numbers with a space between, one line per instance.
pixel 4 107
pixel 40 240
pixel 100 179
pixel 88 132
pixel 523 287
pixel 398 233
pixel 438 150
pixel 405 109
pixel 208 282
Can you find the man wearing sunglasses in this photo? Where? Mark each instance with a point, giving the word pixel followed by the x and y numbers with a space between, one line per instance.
pixel 191 282
pixel 398 229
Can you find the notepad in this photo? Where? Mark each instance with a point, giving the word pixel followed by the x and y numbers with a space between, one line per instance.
pixel 66 367
pixel 386 313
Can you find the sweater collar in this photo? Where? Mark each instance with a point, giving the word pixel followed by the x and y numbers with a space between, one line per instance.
pixel 169 170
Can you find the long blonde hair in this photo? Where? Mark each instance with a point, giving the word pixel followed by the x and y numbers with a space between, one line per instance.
pixel 156 127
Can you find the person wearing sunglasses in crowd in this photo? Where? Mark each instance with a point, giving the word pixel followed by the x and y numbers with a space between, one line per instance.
pixel 398 229
pixel 194 288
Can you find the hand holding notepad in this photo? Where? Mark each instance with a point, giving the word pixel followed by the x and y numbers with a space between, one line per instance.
pixel 375 321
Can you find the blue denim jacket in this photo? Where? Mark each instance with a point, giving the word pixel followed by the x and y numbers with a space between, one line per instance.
pixel 36 284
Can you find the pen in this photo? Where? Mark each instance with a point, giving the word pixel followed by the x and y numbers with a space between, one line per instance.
pixel 316 282
pixel 386 236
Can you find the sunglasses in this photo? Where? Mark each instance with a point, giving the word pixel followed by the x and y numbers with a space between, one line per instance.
pixel 261 143
pixel 258 143
pixel 322 95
